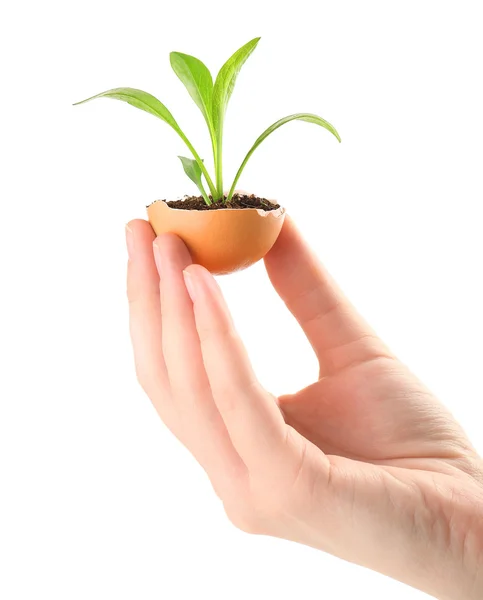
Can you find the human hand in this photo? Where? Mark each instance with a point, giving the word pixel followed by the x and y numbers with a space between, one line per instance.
pixel 365 463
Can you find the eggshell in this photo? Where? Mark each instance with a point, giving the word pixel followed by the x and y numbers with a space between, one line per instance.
pixel 224 240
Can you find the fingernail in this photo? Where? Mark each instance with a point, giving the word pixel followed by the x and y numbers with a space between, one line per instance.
pixel 190 284
pixel 129 242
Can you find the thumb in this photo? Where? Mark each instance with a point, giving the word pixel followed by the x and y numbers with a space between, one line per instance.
pixel 337 333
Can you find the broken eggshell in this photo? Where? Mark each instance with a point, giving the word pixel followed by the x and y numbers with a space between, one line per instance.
pixel 224 240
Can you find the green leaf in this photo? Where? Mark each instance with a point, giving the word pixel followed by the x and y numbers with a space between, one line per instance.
pixel 309 118
pixel 141 100
pixel 197 79
pixel 153 106
pixel 192 169
pixel 222 91
pixel 226 79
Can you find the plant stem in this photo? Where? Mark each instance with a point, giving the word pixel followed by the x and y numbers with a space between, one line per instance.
pixel 237 176
pixel 215 157
pixel 219 166
pixel 204 194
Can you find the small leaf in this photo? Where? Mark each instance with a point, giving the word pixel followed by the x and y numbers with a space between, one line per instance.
pixel 197 79
pixel 226 79
pixel 309 118
pixel 192 169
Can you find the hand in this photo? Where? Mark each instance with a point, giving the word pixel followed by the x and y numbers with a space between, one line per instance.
pixel 365 463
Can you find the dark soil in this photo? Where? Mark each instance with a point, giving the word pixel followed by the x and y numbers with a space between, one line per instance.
pixel 237 201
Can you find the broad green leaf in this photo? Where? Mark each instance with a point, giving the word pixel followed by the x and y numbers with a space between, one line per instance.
pixel 153 106
pixel 222 91
pixel 309 118
pixel 192 169
pixel 141 100
pixel 226 79
pixel 197 79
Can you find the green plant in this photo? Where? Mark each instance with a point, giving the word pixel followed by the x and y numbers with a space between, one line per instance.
pixel 212 99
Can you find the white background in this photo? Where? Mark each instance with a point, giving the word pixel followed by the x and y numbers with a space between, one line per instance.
pixel 97 499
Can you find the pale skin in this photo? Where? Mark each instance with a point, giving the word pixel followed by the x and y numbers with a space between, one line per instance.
pixel 364 463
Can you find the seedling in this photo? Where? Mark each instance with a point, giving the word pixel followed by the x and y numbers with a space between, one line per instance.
pixel 212 99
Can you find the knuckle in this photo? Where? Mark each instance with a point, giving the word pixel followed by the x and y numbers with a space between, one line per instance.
pixel 141 288
pixel 289 492
pixel 143 380
pixel 274 504
pixel 269 500
pixel 273 499
pixel 149 381
pixel 244 519
pixel 267 507
pixel 137 296
pixel 234 389
pixel 132 292
pixel 220 334
pixel 141 377
pixel 134 295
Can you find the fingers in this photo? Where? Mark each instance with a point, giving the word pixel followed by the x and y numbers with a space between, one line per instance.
pixel 144 313
pixel 253 420
pixel 185 367
pixel 337 333
pixel 203 430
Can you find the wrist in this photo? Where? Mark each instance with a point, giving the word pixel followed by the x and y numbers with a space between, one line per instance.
pixel 460 575
pixel 472 560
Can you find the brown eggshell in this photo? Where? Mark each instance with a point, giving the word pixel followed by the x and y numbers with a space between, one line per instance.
pixel 224 240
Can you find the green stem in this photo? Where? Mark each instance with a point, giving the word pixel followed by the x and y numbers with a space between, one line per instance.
pixel 200 163
pixel 215 156
pixel 204 194
pixel 219 166
pixel 238 173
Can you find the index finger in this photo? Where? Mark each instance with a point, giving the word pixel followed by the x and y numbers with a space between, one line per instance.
pixel 252 417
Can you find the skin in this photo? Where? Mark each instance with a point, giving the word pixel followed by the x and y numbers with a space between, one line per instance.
pixel 365 463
